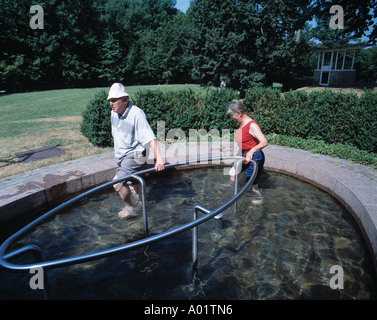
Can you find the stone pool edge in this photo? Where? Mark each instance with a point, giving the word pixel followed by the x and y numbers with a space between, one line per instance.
pixel 45 188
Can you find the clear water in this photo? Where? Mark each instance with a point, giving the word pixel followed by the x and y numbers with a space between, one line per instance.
pixel 282 248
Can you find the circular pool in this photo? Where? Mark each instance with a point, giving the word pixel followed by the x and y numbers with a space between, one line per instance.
pixel 280 246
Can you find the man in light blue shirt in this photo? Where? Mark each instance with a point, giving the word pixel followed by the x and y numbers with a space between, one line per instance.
pixel 132 134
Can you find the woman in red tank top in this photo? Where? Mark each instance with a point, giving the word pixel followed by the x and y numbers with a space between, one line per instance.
pixel 250 139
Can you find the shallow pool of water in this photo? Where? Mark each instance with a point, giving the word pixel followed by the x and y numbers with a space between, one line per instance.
pixel 281 248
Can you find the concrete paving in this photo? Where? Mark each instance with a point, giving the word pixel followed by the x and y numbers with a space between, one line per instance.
pixel 355 186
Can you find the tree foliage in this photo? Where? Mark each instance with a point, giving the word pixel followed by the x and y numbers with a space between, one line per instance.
pixel 358 18
pixel 251 43
pixel 97 42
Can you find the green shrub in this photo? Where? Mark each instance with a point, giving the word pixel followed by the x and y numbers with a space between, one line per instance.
pixel 327 116
pixel 213 113
pixel 334 117
pixel 185 110
pixel 96 124
pixel 178 109
pixel 293 114
pixel 365 122
pixel 264 104
pixel 331 116
pixel 181 109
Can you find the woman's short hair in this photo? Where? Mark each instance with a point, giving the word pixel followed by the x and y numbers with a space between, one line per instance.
pixel 235 106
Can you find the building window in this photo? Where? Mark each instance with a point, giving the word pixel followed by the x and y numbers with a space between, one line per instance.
pixel 339 64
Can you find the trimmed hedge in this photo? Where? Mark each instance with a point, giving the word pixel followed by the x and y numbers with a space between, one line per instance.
pixel 95 123
pixel 333 117
pixel 186 110
pixel 182 109
pixel 365 117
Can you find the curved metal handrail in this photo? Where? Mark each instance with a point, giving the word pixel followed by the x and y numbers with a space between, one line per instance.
pixel 136 244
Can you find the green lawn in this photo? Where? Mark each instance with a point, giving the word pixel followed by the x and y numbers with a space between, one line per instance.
pixel 48 118
pixel 60 103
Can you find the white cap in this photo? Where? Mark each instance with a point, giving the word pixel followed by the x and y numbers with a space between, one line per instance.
pixel 117 91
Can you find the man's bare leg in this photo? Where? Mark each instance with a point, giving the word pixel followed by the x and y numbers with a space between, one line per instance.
pixel 125 194
pixel 135 193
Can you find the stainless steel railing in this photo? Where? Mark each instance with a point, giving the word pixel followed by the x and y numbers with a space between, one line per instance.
pixel 208 214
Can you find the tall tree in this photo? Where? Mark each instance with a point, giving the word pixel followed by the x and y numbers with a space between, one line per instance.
pixel 72 38
pixel 358 17
pixel 60 54
pixel 165 53
pixel 19 67
pixel 132 24
pixel 111 67
pixel 248 42
pixel 219 33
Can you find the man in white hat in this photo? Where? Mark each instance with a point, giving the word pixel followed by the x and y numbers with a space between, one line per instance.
pixel 132 134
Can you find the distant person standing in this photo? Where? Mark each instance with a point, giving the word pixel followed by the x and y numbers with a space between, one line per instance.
pixel 132 134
